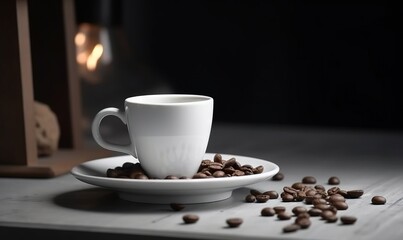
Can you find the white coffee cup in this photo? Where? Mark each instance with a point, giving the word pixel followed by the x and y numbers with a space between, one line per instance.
pixel 169 133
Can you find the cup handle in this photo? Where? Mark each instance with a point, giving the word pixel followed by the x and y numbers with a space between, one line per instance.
pixel 97 135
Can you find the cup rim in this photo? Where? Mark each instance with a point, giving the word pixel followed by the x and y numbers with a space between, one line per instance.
pixel 155 99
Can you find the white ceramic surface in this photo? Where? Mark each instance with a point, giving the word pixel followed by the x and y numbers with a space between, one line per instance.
pixel 167 191
pixel 169 132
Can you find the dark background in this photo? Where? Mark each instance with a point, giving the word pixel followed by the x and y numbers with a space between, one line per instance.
pixel 308 63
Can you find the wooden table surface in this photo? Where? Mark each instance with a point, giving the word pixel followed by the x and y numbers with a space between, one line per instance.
pixel 66 208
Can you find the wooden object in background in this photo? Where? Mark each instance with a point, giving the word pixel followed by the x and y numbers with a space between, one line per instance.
pixel 38 62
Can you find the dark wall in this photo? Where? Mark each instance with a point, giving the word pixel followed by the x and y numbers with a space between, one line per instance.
pixel 324 63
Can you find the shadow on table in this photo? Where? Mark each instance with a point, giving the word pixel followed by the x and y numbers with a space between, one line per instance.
pixel 104 200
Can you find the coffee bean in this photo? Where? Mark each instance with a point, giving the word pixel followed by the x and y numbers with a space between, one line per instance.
pixel 333 190
pixel 250 198
pixel 378 200
pixel 332 219
pixel 268 211
pixel 177 206
pixel 336 198
pixel 354 193
pixel 298 185
pixel 348 219
pixel 279 209
pixel 190 218
pixel 298 210
pixel 217 158
pixel 234 222
pixel 291 228
pixel 320 187
pixel 255 192
pixel 303 215
pixel 340 205
pixel 284 216
pixel 138 176
pixel 318 201
pixel 171 177
pixel 333 180
pixel 287 197
pixel 262 198
pixel 304 222
pixel 200 175
pixel 272 194
pixel 112 173
pixel 314 212
pixel 326 214
pixel 322 206
pixel 278 177
pixel 309 180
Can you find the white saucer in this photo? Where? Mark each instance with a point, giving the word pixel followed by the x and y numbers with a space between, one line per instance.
pixel 164 191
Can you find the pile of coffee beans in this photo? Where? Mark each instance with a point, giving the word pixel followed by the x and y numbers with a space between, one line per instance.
pixel 209 168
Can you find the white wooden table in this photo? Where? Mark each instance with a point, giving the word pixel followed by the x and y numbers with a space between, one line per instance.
pixel 66 208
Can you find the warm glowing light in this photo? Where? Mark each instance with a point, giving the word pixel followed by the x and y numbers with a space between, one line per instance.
pixel 94 57
pixel 82 58
pixel 80 39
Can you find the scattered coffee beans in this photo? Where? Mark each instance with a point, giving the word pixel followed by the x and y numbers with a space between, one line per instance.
pixel 190 218
pixel 234 222
pixel 333 180
pixel 378 200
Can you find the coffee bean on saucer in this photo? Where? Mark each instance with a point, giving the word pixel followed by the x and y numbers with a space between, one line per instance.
pixel 278 177
pixel 177 206
pixel 234 222
pixel 333 180
pixel 190 218
pixel 378 200
pixel 112 173
pixel 218 158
